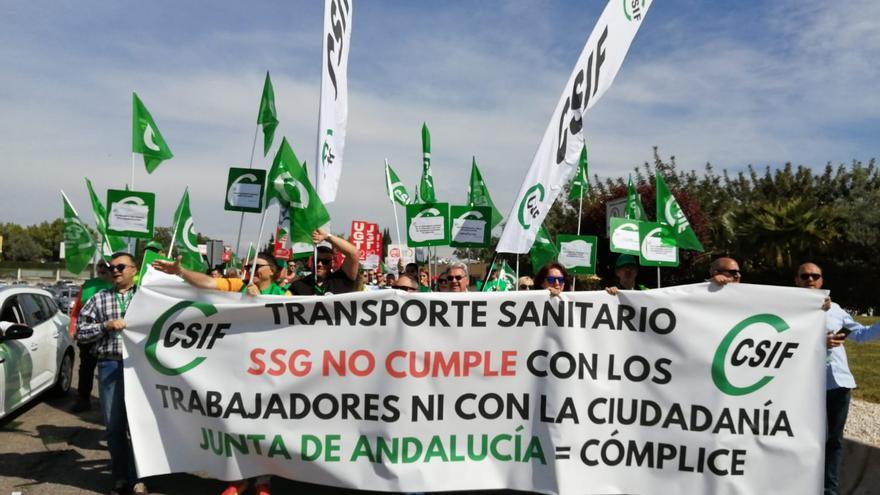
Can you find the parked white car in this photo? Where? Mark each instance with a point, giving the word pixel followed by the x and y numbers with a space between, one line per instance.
pixel 36 351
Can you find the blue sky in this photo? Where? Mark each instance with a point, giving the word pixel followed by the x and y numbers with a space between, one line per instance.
pixel 731 83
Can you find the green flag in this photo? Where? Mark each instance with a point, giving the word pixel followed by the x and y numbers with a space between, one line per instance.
pixel 185 237
pixel 543 250
pixel 110 243
pixel 670 215
pixel 289 184
pixel 267 116
pixel 634 208
pixel 426 187
pixel 581 182
pixel 146 138
pixel 394 188
pixel 506 280
pixel 79 247
pixel 478 194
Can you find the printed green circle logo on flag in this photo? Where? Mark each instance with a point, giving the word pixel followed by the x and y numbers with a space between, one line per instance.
pixel 292 191
pixel 76 235
pixel 399 191
pixel 674 216
pixel 198 335
pixel 529 207
pixel 751 357
pixel 624 237
pixel 327 155
pixel 245 189
pixel 427 224
pixel 633 9
pixel 130 213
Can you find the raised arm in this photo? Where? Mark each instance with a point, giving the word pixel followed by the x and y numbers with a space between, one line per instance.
pixel 196 279
pixel 351 263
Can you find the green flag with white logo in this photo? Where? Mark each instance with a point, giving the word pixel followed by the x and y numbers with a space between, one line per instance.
pixel 478 194
pixel 669 213
pixel 394 187
pixel 267 116
pixel 146 138
pixel 426 186
pixel 543 250
pixel 289 184
pixel 79 247
pixel 580 184
pixel 185 237
pixel 634 208
pixel 110 243
pixel 506 280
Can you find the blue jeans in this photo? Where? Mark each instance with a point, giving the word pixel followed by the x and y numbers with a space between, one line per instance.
pixel 836 408
pixel 113 406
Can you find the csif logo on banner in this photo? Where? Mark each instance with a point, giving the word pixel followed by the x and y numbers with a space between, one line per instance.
pixel 633 9
pixel 751 356
pixel 530 206
pixel 196 335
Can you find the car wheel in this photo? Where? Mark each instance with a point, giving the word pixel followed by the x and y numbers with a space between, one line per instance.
pixel 65 375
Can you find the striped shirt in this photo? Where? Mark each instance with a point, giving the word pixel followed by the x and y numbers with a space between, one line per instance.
pixel 106 305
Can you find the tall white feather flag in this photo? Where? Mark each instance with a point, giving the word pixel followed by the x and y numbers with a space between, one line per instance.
pixel 333 116
pixel 559 152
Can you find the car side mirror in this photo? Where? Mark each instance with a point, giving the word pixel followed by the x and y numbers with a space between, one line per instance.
pixel 14 331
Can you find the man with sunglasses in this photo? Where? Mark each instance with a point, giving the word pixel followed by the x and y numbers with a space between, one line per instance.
pixel 457 279
pixel 102 321
pixel 839 326
pixel 325 280
pixel 724 271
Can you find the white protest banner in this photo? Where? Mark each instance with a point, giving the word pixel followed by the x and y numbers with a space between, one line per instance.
pixel 558 155
pixel 689 389
pixel 333 112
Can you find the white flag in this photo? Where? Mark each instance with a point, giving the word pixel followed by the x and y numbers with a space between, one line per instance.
pixel 559 152
pixel 333 115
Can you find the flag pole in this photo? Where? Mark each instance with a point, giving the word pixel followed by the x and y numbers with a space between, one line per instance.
pixel 517 272
pixel 580 212
pixel 658 277
pixel 247 257
pixel 250 165
pixel 259 238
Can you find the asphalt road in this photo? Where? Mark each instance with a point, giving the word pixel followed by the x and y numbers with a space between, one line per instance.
pixel 45 449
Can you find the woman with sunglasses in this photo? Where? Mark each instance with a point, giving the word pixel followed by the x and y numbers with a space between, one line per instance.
pixel 552 277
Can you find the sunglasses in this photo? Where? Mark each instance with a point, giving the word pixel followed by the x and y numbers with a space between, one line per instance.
pixel 730 273
pixel 118 268
pixel 261 265
pixel 810 276
pixel 325 261
pixel 555 280
pixel 404 288
pixel 454 278
pixel 525 287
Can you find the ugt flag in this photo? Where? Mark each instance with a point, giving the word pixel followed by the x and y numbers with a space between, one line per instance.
pixel 145 136
pixel 185 237
pixel 79 247
pixel 289 185
pixel 558 154
pixel 669 213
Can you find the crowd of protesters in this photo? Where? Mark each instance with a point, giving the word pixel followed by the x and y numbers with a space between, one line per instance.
pixel 99 316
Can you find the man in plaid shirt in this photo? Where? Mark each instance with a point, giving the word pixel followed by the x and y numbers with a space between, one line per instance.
pixel 101 321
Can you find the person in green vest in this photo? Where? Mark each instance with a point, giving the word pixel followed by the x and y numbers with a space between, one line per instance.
pixel 87 360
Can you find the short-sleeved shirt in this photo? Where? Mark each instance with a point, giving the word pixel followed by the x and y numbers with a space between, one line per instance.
pixel 336 283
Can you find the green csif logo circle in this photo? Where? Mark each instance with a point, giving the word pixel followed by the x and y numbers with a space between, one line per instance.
pixel 150 349
pixel 529 207
pixel 750 353
pixel 634 9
